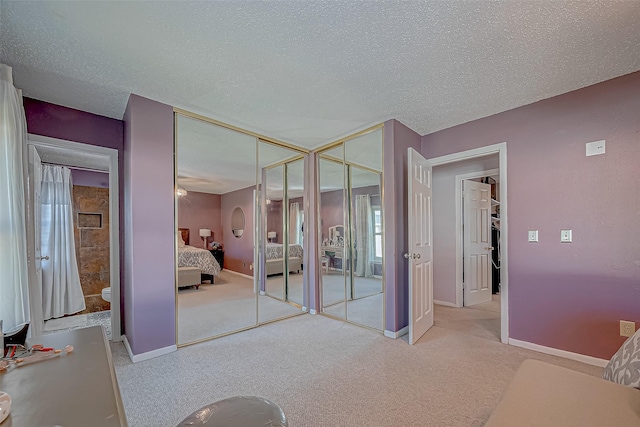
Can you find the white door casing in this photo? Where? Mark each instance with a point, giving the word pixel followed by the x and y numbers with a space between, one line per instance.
pixel 477 242
pixel 420 240
pixel 108 160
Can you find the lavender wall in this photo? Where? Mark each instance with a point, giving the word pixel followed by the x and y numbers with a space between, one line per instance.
pixel 444 222
pixel 238 252
pixel 274 216
pixel 60 122
pixel 397 139
pixel 274 219
pixel 569 296
pixel 331 206
pixel 90 178
pixel 331 211
pixel 200 210
pixel 149 225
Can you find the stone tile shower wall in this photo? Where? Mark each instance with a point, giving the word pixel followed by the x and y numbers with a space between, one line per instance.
pixel 92 243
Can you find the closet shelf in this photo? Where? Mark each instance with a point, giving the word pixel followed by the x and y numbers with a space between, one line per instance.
pixel 494 202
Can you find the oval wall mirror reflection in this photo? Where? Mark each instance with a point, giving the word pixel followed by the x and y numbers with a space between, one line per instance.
pixel 237 222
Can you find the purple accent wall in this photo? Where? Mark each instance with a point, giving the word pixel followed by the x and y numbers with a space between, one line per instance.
pixel 238 252
pixel 397 139
pixel 90 178
pixel 60 122
pixel 569 296
pixel 149 225
pixel 444 222
pixel 200 210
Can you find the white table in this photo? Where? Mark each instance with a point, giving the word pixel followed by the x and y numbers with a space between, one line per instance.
pixel 78 389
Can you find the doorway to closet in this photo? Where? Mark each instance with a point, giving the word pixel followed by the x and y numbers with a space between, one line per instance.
pixel 470 254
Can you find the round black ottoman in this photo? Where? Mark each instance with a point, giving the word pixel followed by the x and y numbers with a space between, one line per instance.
pixel 239 411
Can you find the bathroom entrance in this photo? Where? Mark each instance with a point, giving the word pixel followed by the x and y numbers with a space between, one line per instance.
pixel 73 236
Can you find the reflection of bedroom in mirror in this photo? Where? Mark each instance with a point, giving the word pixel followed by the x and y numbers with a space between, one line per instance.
pixel 215 289
pixel 351 257
pixel 237 222
pixel 282 201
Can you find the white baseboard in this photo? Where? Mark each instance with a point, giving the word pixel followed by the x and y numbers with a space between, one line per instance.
pixel 560 353
pixel 135 358
pixel 397 334
pixel 239 274
pixel 447 303
pixel 312 311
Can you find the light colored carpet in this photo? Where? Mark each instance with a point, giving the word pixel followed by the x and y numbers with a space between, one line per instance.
pixel 333 287
pixel 226 306
pixel 325 372
pixel 78 321
pixel 366 309
pixel 275 287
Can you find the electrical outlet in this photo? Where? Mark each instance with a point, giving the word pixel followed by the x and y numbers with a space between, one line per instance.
pixel 627 328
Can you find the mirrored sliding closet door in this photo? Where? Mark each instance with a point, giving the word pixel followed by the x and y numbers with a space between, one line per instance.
pixel 281 183
pixel 239 214
pixel 215 202
pixel 352 230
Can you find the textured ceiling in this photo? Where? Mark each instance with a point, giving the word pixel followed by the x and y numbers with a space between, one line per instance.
pixel 310 72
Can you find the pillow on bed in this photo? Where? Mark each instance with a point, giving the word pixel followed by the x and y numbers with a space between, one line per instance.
pixel 624 366
pixel 180 241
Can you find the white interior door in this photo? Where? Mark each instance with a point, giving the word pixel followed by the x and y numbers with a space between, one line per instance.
pixel 420 253
pixel 477 242
pixel 35 264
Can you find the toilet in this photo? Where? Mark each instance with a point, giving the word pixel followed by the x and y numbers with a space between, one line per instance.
pixel 106 294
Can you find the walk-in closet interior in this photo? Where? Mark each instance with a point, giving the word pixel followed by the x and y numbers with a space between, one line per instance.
pixel 239 218
pixel 351 229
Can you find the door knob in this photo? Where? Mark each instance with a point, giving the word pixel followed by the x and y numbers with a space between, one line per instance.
pixel 407 256
pixel 416 256
pixel 46 258
pixel 489 248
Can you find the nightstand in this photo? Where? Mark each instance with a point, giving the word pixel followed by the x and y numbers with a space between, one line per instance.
pixel 218 254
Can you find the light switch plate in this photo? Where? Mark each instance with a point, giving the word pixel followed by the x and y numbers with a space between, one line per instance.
pixel 533 235
pixel 596 147
pixel 565 236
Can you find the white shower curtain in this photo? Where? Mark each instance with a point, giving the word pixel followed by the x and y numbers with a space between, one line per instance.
pixel 14 291
pixel 61 290
pixel 294 223
pixel 364 236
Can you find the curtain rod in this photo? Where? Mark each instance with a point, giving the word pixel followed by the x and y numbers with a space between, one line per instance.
pixel 76 167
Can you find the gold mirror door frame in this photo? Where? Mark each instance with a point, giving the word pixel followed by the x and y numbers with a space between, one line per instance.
pixel 280 260
pixel 333 236
pixel 359 252
pixel 213 302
